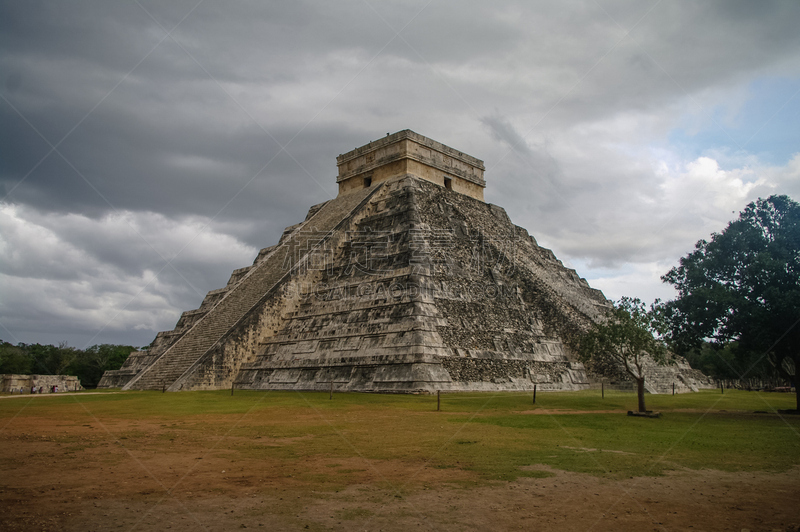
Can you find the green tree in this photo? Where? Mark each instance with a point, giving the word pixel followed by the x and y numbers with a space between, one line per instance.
pixel 744 286
pixel 728 361
pixel 51 359
pixel 14 359
pixel 625 339
pixel 90 364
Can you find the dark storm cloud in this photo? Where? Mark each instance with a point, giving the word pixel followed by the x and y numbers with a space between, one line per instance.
pixel 138 146
pixel 174 104
pixel 178 156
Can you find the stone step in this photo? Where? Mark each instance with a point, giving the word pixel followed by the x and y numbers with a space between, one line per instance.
pixel 245 294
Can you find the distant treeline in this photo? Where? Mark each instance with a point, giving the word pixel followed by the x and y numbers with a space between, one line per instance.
pixel 730 363
pixel 86 364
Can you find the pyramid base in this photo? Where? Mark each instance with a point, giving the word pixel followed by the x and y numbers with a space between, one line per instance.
pixel 423 375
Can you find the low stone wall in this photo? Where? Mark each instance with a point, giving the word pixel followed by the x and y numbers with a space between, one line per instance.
pixel 12 383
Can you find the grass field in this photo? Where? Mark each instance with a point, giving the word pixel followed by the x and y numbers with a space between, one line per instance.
pixel 397 444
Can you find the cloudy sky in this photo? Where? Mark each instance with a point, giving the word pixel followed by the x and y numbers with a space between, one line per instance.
pixel 149 148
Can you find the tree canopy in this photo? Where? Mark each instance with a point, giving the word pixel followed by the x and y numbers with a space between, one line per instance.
pixel 743 286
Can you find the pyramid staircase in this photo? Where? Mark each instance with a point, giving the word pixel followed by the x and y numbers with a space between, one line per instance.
pixel 248 287
pixel 360 329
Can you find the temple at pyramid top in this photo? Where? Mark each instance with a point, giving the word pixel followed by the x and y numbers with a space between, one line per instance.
pixel 409 153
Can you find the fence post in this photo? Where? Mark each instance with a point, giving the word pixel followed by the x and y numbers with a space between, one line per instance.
pixel 331 396
pixel 232 389
pixel 438 400
pixel 722 387
pixel 534 394
pixel 602 390
pixel 673 388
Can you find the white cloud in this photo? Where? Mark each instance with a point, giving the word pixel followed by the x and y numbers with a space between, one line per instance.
pixel 703 188
pixel 613 191
pixel 642 280
pixel 86 277
pixel 636 237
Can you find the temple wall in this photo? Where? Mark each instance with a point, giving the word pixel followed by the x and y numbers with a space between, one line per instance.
pixel 406 152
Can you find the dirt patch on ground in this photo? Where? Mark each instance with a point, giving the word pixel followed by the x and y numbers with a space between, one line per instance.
pixel 561 412
pixel 147 475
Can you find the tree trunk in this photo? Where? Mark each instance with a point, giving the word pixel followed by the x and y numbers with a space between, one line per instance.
pixel 640 393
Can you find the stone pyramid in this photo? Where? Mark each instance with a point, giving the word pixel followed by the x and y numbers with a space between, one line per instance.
pixel 406 282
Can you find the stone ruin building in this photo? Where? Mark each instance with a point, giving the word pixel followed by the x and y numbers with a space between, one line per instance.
pixel 11 383
pixel 407 281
